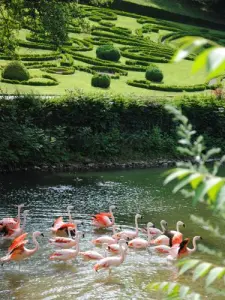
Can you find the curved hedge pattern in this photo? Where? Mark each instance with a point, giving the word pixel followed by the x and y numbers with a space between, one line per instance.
pixel 139 48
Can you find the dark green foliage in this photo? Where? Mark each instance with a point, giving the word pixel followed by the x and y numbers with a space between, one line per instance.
pixel 169 88
pixel 108 52
pixel 50 82
pixel 153 73
pixel 15 70
pixel 101 80
pixel 36 132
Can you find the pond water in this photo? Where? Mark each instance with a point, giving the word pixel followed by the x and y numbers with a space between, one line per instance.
pixel 47 196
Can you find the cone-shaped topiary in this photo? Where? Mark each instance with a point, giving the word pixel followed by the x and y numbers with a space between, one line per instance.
pixel 108 52
pixel 101 80
pixel 15 70
pixel 154 74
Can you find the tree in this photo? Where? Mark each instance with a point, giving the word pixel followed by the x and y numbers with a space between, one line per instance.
pixel 50 17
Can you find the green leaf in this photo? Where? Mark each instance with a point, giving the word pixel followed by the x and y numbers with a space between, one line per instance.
pixel 178 173
pixel 213 184
pixel 213 192
pixel 201 270
pixel 200 61
pixel 172 287
pixel 220 197
pixel 193 179
pixel 215 58
pixel 184 291
pixel 191 45
pixel 187 265
pixel 215 273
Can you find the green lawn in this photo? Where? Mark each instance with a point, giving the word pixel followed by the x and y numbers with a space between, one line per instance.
pixel 174 74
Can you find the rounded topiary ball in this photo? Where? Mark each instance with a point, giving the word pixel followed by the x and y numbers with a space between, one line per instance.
pixel 154 74
pixel 108 52
pixel 100 80
pixel 15 71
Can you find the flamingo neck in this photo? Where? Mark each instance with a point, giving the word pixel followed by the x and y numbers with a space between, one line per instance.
pixel 69 214
pixel 114 230
pixel 113 218
pixel 18 216
pixel 24 223
pixel 122 253
pixel 78 244
pixel 178 227
pixel 194 245
pixel 36 248
pixel 136 224
pixel 162 226
pixel 149 235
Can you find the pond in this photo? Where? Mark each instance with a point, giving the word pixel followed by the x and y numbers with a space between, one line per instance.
pixel 134 191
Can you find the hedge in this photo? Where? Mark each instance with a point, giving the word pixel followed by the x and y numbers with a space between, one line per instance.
pixel 53 81
pixel 60 70
pixel 36 45
pixel 149 58
pixel 170 88
pixel 39 57
pixel 100 127
pixel 66 60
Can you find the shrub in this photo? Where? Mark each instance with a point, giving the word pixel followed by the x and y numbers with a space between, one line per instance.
pixel 100 80
pixel 154 74
pixel 108 52
pixel 15 71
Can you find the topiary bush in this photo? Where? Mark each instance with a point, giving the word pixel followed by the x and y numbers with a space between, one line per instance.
pixel 101 80
pixel 108 52
pixel 15 70
pixel 154 74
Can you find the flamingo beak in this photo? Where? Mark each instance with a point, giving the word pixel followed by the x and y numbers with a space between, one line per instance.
pixel 183 225
pixel 201 238
pixel 83 235
pixel 42 234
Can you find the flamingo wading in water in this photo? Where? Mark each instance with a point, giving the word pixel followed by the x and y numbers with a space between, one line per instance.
pixel 130 234
pixel 113 261
pixel 18 252
pixel 102 220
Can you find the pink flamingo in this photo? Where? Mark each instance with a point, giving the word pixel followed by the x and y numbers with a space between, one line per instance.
pixel 94 255
pixel 18 252
pixel 64 242
pixel 11 234
pixel 11 223
pixel 102 220
pixel 182 250
pixel 106 238
pixel 139 243
pixel 60 228
pixel 170 238
pixel 128 233
pixel 156 231
pixel 67 254
pixel 113 261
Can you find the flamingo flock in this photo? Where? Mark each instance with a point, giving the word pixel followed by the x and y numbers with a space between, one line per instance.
pixel 66 239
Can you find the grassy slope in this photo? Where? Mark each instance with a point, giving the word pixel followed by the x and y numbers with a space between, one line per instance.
pixel 181 7
pixel 174 74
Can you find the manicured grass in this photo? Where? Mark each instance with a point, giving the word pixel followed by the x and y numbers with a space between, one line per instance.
pixel 174 74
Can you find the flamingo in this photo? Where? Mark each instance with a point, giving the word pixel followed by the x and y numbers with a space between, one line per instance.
pixel 11 223
pixel 60 228
pixel 64 242
pixel 17 251
pixel 113 261
pixel 102 220
pixel 155 231
pixel 130 234
pixel 67 254
pixel 94 255
pixel 106 238
pixel 170 238
pixel 139 243
pixel 182 249
pixel 11 234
